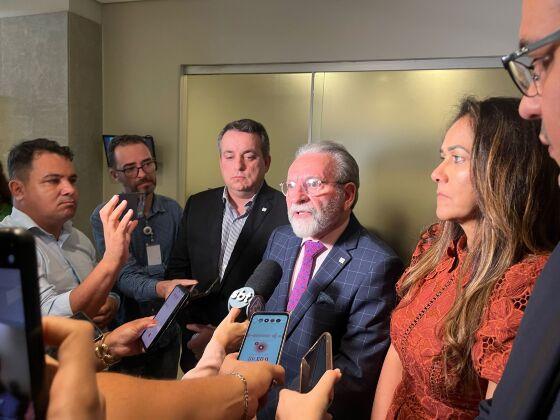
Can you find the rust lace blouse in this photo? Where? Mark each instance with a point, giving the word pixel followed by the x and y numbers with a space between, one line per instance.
pixel 414 334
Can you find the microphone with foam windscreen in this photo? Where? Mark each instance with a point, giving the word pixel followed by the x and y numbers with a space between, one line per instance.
pixel 258 289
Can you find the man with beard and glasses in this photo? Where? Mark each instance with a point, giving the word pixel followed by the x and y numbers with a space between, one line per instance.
pixel 141 281
pixel 336 277
pixel 45 198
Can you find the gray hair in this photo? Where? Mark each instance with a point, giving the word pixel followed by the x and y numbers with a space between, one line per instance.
pixel 345 166
pixel 247 125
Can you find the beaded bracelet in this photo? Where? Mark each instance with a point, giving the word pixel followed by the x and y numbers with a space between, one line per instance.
pixel 245 394
pixel 103 353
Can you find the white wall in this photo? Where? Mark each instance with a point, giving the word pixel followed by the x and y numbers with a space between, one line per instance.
pixel 144 44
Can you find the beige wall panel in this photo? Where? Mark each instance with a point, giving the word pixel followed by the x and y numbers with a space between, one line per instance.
pixel 280 102
pixel 144 44
pixel 393 124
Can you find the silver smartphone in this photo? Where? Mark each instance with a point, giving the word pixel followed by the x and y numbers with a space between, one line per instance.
pixel 316 361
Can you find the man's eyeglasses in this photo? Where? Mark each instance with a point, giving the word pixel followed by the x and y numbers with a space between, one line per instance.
pixel 132 171
pixel 311 186
pixel 521 67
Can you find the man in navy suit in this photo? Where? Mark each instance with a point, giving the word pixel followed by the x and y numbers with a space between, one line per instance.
pixel 336 277
pixel 530 385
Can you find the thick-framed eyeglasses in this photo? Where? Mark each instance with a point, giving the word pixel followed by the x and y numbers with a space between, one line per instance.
pixel 521 67
pixel 311 186
pixel 132 171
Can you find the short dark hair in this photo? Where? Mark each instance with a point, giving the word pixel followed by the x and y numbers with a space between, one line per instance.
pixel 124 140
pixel 21 155
pixel 247 125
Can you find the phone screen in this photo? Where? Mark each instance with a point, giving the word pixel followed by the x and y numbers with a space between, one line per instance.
pixel 165 315
pixel 22 354
pixel 134 201
pixel 265 337
pixel 15 379
pixel 315 362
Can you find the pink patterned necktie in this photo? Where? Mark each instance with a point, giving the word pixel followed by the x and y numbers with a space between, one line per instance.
pixel 311 251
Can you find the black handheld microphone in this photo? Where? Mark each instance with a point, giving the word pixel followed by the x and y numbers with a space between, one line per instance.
pixel 258 289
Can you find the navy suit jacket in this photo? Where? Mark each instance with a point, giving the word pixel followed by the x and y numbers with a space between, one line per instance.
pixel 529 387
pixel 351 296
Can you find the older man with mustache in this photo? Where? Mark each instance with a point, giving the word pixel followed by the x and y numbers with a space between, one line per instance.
pixel 336 277
pixel 45 198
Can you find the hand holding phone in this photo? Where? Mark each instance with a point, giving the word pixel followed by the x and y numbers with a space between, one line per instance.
pixel 165 316
pixel 265 337
pixel 135 201
pixel 117 231
pixel 315 363
pixel 259 377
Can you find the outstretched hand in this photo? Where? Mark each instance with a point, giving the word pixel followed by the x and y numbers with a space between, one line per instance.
pixel 117 233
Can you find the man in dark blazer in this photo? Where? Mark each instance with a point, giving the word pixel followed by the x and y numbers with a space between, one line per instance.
pixel 224 231
pixel 350 289
pixel 530 385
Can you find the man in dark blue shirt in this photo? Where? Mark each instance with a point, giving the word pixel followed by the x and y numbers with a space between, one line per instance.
pixel 141 281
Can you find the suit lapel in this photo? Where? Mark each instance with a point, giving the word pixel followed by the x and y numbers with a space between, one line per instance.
pixel 335 261
pixel 261 208
pixel 214 217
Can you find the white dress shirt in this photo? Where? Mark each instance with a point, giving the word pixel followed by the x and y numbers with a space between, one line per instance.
pixel 61 264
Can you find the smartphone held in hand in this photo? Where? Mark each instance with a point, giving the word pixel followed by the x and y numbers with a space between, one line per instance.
pixel 165 316
pixel 134 201
pixel 265 337
pixel 316 361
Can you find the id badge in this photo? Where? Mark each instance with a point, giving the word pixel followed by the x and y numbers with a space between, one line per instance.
pixel 153 252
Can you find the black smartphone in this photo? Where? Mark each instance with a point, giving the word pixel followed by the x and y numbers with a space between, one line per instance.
pixel 265 337
pixel 165 316
pixel 22 355
pixel 97 333
pixel 316 361
pixel 134 201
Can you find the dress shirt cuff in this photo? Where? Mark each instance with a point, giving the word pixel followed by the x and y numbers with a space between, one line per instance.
pixel 58 306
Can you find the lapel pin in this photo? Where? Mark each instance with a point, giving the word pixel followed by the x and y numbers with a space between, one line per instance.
pixel 341 260
pixel 264 209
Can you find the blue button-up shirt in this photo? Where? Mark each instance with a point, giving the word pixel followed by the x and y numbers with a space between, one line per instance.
pixel 137 280
pixel 62 264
